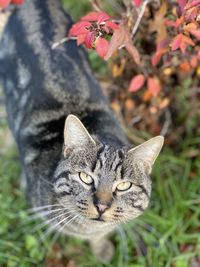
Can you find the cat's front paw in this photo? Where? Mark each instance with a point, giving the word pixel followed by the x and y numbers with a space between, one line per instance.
pixel 103 250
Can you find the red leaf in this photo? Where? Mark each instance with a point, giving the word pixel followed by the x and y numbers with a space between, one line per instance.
pixel 198 55
pixel 101 47
pixel 17 2
pixel 182 4
pixel 177 41
pixel 191 14
pixel 163 44
pixel 4 3
pixel 194 62
pixel 89 39
pixel 181 41
pixel 179 21
pixel 80 39
pixel 162 48
pixel 174 24
pixel 133 52
pixel 79 28
pixel 102 17
pixel 192 4
pixel 196 33
pixel 96 16
pixel 153 86
pixel 170 23
pixel 188 40
pixel 137 3
pixel 106 29
pixel 156 58
pixel 136 83
pixel 183 47
pixel 112 25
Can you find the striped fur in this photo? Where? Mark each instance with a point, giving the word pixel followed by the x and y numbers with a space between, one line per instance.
pixel 42 87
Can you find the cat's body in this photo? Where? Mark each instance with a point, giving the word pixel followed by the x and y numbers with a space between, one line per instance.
pixel 42 87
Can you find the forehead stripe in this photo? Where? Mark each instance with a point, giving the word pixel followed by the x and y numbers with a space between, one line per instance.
pixel 117 161
pixel 98 159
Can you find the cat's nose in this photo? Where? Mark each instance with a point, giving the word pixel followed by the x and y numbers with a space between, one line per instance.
pixel 102 207
pixel 102 201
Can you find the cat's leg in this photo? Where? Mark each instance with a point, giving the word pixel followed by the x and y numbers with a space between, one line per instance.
pixel 102 248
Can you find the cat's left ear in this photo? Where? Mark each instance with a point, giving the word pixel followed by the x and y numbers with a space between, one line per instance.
pixel 75 133
pixel 147 152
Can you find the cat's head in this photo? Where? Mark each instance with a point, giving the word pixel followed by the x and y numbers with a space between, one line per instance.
pixel 102 183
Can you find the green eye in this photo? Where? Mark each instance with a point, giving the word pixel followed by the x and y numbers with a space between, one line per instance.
pixel 85 178
pixel 124 186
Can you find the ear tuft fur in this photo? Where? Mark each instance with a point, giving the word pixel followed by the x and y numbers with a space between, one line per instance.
pixel 148 151
pixel 75 133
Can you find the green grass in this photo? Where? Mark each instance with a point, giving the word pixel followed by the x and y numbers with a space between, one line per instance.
pixel 167 234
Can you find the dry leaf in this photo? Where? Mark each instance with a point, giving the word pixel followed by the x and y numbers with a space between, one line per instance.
pixel 116 41
pixel 122 38
pixel 133 52
pixel 117 70
pixel 158 23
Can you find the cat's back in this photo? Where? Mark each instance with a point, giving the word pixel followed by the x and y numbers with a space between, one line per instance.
pixel 39 81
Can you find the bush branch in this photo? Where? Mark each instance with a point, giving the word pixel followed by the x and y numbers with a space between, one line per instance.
pixel 95 5
pixel 141 13
pixel 62 41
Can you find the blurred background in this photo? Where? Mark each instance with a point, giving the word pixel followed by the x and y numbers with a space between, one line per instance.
pixel 168 233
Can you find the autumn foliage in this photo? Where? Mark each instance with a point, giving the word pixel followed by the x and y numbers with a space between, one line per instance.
pixel 174 39
pixel 151 46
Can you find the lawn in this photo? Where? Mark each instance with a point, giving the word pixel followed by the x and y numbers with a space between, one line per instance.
pixel 167 234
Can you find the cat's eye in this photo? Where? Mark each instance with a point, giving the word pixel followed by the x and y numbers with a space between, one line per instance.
pixel 124 186
pixel 85 178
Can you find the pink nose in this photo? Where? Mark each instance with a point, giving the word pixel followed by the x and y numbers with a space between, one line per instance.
pixel 101 207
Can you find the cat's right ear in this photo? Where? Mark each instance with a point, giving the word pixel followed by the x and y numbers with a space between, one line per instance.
pixel 75 134
pixel 147 152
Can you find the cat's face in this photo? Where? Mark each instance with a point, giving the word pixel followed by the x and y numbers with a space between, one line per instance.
pixel 101 183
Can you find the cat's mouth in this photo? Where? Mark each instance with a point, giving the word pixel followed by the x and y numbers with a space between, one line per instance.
pixel 98 219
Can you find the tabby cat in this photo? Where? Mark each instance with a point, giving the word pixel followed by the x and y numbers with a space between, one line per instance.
pixel 95 181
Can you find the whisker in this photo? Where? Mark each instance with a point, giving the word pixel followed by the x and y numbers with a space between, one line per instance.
pixel 54 227
pixel 65 224
pixel 47 182
pixel 81 220
pixel 58 233
pixel 48 221
pixel 43 207
pixel 43 214
pixel 49 230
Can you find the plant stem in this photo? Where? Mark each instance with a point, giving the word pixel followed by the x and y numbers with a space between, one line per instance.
pixel 95 5
pixel 66 39
pixel 141 13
